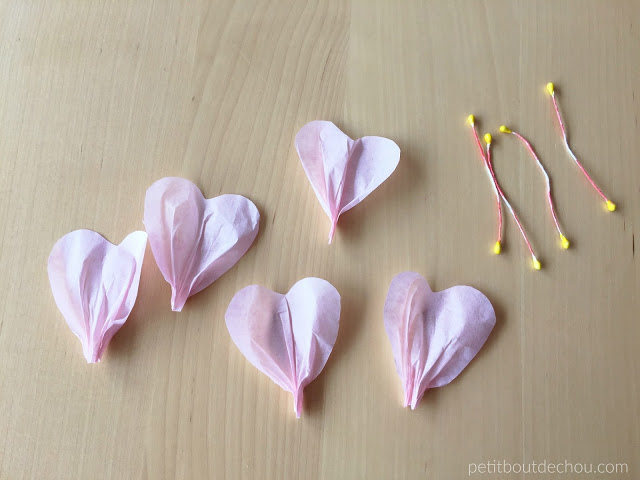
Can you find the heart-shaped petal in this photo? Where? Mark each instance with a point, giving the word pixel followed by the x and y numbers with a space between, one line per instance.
pixel 95 284
pixel 287 337
pixel 195 240
pixel 433 335
pixel 343 171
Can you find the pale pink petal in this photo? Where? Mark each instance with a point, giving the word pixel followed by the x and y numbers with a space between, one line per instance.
pixel 287 337
pixel 258 322
pixel 95 285
pixel 433 335
pixel 342 171
pixel 195 240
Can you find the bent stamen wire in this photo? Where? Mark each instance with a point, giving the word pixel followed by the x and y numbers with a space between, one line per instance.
pixel 610 205
pixel 563 240
pixel 497 248
pixel 500 195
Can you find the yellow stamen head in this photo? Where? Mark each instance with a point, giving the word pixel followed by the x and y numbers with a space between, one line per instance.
pixel 611 206
pixel 550 88
pixel 564 241
pixel 505 129
pixel 471 119
pixel 497 248
pixel 536 264
pixel 487 138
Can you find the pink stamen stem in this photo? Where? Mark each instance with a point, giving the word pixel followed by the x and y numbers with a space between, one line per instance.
pixel 546 176
pixel 513 213
pixel 566 144
pixel 495 184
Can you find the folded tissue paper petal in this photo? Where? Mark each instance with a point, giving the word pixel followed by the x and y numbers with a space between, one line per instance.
pixel 195 240
pixel 95 285
pixel 287 337
pixel 343 171
pixel 433 335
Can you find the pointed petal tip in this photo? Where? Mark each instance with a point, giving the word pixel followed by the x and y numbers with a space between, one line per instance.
pixel 297 402
pixel 92 357
pixel 334 224
pixel 177 301
pixel 407 400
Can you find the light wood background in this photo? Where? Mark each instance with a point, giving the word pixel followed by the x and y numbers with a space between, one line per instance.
pixel 99 99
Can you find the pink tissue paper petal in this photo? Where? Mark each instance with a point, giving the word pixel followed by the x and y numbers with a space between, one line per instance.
pixel 195 240
pixel 433 335
pixel 343 171
pixel 95 285
pixel 287 337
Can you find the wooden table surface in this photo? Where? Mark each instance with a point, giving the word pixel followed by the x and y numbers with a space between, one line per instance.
pixel 100 99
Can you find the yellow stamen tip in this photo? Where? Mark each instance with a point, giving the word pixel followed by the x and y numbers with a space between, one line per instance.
pixel 565 242
pixel 472 120
pixel 505 129
pixel 550 88
pixel 487 137
pixel 611 206
pixel 536 264
pixel 497 248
